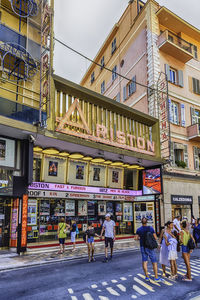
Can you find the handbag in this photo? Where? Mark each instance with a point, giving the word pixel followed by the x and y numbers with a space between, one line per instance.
pixel 191 244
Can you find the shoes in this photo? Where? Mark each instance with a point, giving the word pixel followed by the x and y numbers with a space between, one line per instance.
pixel 147 279
pixel 186 279
pixel 93 259
pixel 172 277
pixel 159 279
pixel 105 260
pixel 89 260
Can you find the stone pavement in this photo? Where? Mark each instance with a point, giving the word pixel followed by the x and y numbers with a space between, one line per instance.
pixel 10 260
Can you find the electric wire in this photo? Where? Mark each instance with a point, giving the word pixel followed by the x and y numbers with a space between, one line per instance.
pixel 103 67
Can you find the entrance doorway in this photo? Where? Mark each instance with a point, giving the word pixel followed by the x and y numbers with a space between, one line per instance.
pixel 5 212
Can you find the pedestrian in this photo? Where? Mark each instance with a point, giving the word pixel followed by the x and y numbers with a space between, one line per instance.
pixel 62 233
pixel 185 236
pixel 73 231
pixel 164 252
pixel 90 234
pixel 109 228
pixel 197 231
pixel 177 225
pixel 173 256
pixel 141 234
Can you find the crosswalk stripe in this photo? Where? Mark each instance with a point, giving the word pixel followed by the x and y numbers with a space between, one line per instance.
pixel 114 281
pixel 93 286
pixel 180 273
pixel 151 281
pixel 74 298
pixel 194 268
pixel 112 291
pixel 103 298
pixel 121 287
pixel 147 286
pixel 123 278
pixel 70 291
pixel 184 270
pixel 139 290
pixel 133 296
pixel 87 296
pixel 104 283
pixel 165 281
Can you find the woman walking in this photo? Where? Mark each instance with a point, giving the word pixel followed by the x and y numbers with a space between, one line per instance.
pixel 173 256
pixel 164 252
pixel 185 236
pixel 73 234
pixel 90 234
pixel 62 233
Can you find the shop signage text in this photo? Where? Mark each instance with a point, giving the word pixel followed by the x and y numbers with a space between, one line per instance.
pixel 24 221
pixel 178 199
pixel 144 198
pixel 81 189
pixel 68 195
pixel 102 134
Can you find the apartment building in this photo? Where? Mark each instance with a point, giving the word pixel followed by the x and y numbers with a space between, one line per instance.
pixel 150 43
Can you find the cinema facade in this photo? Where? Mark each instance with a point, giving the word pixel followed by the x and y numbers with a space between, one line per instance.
pixel 93 158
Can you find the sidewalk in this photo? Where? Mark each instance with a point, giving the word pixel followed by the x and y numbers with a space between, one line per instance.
pixel 10 260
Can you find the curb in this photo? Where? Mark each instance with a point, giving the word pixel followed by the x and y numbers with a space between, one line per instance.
pixel 73 258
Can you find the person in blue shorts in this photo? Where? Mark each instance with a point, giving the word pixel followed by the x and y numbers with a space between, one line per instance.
pixel 90 234
pixel 147 253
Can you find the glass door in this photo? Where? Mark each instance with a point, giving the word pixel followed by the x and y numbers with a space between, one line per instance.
pixel 5 211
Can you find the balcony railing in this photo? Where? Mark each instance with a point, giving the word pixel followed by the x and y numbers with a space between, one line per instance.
pixel 176 46
pixel 193 132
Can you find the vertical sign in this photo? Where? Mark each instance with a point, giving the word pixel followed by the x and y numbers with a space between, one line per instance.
pixel 45 66
pixel 24 221
pixel 14 223
pixel 164 115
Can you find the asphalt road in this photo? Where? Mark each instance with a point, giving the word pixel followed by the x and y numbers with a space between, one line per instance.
pixel 121 278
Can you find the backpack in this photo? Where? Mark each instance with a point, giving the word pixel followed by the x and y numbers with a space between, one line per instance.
pixel 191 244
pixel 149 240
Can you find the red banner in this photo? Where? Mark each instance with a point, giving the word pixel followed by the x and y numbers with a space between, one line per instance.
pixel 14 222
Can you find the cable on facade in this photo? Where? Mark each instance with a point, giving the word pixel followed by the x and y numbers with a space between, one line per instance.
pixel 103 67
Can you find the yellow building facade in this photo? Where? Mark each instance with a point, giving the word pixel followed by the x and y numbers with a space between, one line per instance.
pixel 157 53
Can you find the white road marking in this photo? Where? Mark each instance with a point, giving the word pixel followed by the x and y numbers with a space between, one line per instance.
pixel 147 286
pixel 123 278
pixel 104 283
pixel 121 287
pixel 93 286
pixel 114 281
pixel 74 298
pixel 87 296
pixel 184 270
pixel 139 290
pixel 103 298
pixel 99 290
pixel 70 291
pixel 112 291
pixel 130 276
pixel 133 296
pixel 150 280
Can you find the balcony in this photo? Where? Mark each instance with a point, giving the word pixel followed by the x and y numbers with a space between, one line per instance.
pixel 175 46
pixel 193 132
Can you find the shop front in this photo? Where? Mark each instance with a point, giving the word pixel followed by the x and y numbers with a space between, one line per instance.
pixel 182 206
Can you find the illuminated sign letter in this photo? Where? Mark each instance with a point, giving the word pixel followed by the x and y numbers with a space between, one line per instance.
pixel 140 143
pixel 121 138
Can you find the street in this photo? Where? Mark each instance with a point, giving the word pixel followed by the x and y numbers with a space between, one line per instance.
pixel 120 278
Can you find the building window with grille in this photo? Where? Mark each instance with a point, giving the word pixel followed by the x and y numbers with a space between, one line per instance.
pixel 114 73
pixel 114 47
pixel 92 77
pixel 102 63
pixel 103 87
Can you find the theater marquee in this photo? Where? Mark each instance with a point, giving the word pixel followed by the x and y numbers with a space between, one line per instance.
pixel 133 136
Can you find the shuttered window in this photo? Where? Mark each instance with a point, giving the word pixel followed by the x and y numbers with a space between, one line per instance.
pixel 196 152
pixel 196 86
pixel 174 76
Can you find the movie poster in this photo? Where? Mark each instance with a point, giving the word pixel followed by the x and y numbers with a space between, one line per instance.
pixel 2 149
pixel 59 208
pixel 152 181
pixel 118 209
pixel 80 172
pixel 82 208
pixel 70 208
pixel 115 176
pixel 109 207
pixel 96 175
pixel 91 208
pixel 44 208
pixel 101 208
pixel 128 212
pixel 32 212
pixel 53 168
pixel 144 210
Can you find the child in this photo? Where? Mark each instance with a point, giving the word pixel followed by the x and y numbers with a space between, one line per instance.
pixel 172 247
pixel 90 234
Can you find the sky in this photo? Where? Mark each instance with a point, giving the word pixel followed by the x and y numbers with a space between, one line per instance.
pixel 85 24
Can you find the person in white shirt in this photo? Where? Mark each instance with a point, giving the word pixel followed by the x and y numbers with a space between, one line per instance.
pixel 177 224
pixel 109 228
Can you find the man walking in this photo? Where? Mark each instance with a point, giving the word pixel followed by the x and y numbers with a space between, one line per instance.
pixel 109 228
pixel 141 234
pixel 177 224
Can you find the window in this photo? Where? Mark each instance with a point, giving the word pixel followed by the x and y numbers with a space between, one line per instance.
pixel 195 116
pixel 195 51
pixel 92 77
pixel 179 155
pixel 196 86
pixel 132 86
pixel 114 75
pixel 114 47
pixel 36 169
pixel 174 112
pixel 196 152
pixel 103 87
pixel 117 98
pixel 174 76
pixel 102 63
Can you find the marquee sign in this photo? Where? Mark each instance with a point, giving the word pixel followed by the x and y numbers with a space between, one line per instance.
pixel 102 133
